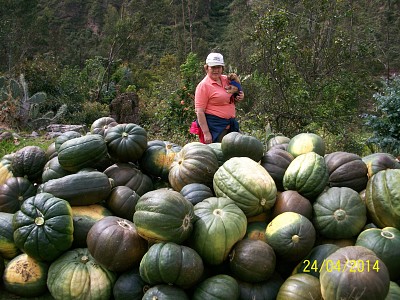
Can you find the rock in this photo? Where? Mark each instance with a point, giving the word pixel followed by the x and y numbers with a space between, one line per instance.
pixel 125 108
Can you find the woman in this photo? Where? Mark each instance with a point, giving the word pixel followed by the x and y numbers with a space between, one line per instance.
pixel 215 109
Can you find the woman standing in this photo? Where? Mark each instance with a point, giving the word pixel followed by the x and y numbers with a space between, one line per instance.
pixel 214 106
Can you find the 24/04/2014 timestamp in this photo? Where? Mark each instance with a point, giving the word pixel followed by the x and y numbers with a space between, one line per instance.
pixel 352 266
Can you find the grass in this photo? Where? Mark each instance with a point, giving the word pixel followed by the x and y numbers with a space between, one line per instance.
pixel 11 146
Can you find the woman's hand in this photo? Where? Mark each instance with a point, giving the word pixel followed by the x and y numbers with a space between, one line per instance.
pixel 207 137
pixel 240 97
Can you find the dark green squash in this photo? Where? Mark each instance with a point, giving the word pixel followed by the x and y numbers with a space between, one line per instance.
pixel 122 201
pixel 339 213
pixel 306 142
pixel 300 286
pixel 276 161
pixel 236 144
pixel 252 260
pixel 130 286
pixel 43 227
pixel 5 167
pixel 220 286
pixel 166 207
pixel 101 125
pixel 8 248
pixel 65 136
pixel 196 192
pixel 263 290
pixel 170 263
pixel 29 161
pixel 165 292
pixel 276 141
pixel 126 142
pixel 115 243
pixel 15 191
pixel 53 170
pixel 216 148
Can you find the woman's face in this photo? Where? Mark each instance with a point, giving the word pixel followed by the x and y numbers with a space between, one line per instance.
pixel 214 72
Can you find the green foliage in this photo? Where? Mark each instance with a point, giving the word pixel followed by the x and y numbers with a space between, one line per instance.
pixel 385 123
pixel 90 112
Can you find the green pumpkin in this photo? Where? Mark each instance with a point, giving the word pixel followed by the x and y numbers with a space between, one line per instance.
pixel 276 141
pixel 247 183
pixel 15 191
pixel 307 174
pixel 219 224
pixel 339 213
pixel 126 142
pixel 53 170
pixel 115 243
pixel 236 144
pixel 256 230
pixel 29 162
pixel 346 170
pixel 25 276
pixel 5 168
pixel 262 290
pixel 217 149
pixel 306 142
pixel 164 216
pixel 382 197
pixel 130 285
pixel 292 201
pixel 380 161
pixel 165 292
pixel 158 157
pixel 76 275
pixel 354 272
pixel 276 161
pixel 8 248
pixel 43 227
pixel 65 136
pixel 171 263
pixel 252 260
pixel 385 243
pixel 101 125
pixel 394 291
pixel 195 163
pixel 300 286
pixel 221 286
pixel 291 235
pixel 122 201
pixel 196 192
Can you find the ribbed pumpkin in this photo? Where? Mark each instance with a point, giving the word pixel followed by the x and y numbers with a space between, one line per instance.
pixel 291 235
pixel 339 213
pixel 158 157
pixel 165 292
pixel 196 192
pixel 128 174
pixel 236 144
pixel 306 142
pixel 65 136
pixel 126 142
pixel 263 290
pixel 25 276
pixel 164 215
pixel 86 151
pixel 195 163
pixel 115 243
pixel 122 201
pixel 382 197
pixel 8 249
pixel 216 147
pixel 354 272
pixel 300 286
pixel 171 263
pixel 53 170
pixel 219 224
pixel 221 286
pixel 76 275
pixel 385 243
pixel 277 140
pixel 15 191
pixel 276 161
pixel 130 285
pixel 247 183
pixel 252 260
pixel 307 174
pixel 29 161
pixel 5 167
pixel 346 170
pixel 380 161
pixel 43 227
pixel 292 201
pixel 102 124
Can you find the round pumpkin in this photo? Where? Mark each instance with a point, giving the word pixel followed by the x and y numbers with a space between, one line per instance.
pixel 252 260
pixel 236 144
pixel 101 125
pixel 247 183
pixel 291 235
pixel 262 290
pixel 76 275
pixel 306 142
pixel 8 248
pixel 339 213
pixel 354 272
pixel 256 231
pixel 5 167
pixel 300 286
pixel 394 291
pixel 65 136
pixel 15 191
pixel 25 276
pixel 122 201
pixel 196 192
pixel 385 243
pixel 276 161
pixel 43 227
pixel 382 197
pixel 158 157
pixel 115 243
pixel 53 170
pixel 195 163
pixel 171 263
pixel 346 170
pixel 277 140
pixel 126 142
pixel 216 148
pixel 221 286
pixel 165 292
pixel 380 161
pixel 29 161
pixel 294 202
pixel 164 215
pixel 130 285
pixel 307 174
pixel 219 224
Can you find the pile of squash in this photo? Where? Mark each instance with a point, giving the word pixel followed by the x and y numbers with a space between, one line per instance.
pixel 112 215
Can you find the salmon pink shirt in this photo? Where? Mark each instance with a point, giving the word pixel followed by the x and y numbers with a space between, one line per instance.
pixel 213 98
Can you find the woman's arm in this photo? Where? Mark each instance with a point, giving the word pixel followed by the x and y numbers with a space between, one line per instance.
pixel 201 119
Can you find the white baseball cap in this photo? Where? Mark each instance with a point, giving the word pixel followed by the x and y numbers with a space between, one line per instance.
pixel 215 59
